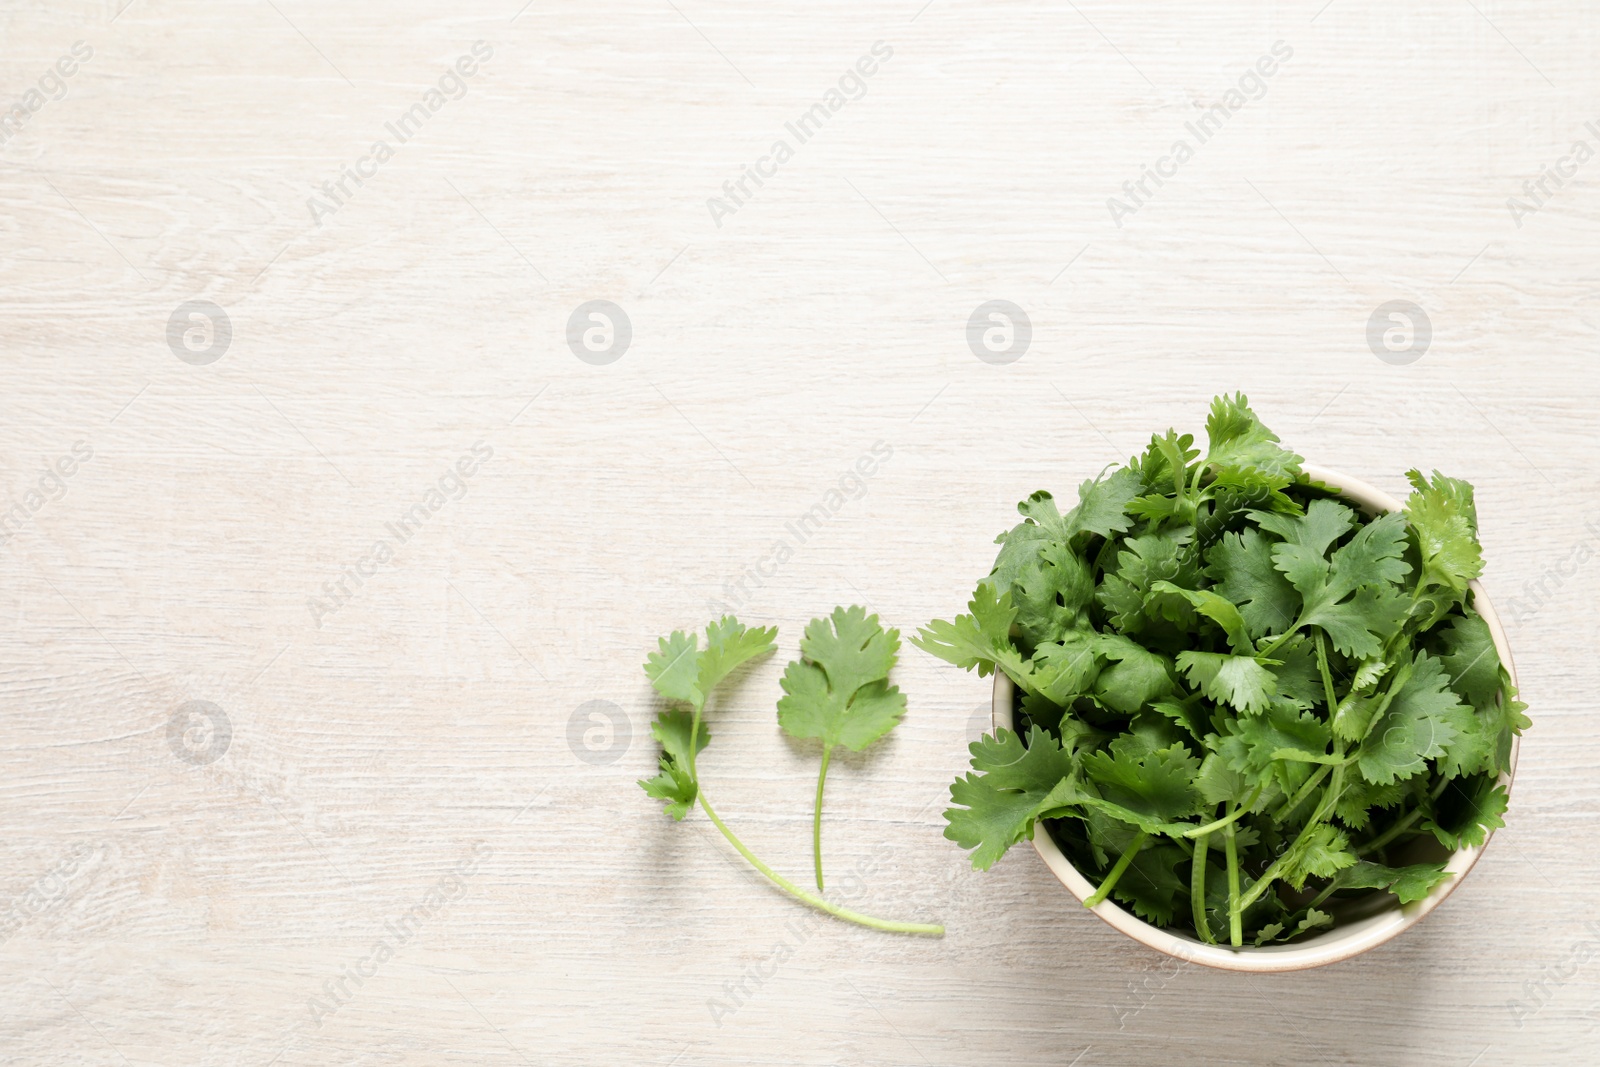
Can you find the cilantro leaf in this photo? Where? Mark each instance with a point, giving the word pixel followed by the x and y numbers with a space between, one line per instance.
pixel 1143 562
pixel 1373 556
pixel 1238 439
pixel 1359 626
pixel 1475 672
pixel 1158 785
pixel 995 808
pixel 1360 798
pixel 683 672
pixel 837 692
pixel 1052 592
pixel 675 785
pixel 1136 676
pixel 729 645
pixel 1368 566
pixel 1257 739
pixel 1063 670
pixel 1319 854
pixel 1416 726
pixel 1164 466
pixel 674 668
pixel 1407 883
pixel 1237 680
pixel 1219 783
pixel 1102 505
pixel 1445 519
pixel 1241 565
pixel 1101 509
pixel 1302 554
pixel 1311 920
pixel 1468 811
pixel 1219 610
pixel 1471 661
pixel 979 640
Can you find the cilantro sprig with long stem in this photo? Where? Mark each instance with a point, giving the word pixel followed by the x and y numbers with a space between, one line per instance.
pixel 839 693
pixel 684 673
pixel 1240 700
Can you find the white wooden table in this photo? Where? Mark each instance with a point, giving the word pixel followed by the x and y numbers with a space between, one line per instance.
pixel 409 740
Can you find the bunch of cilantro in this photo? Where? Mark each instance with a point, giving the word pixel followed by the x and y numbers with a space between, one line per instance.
pixel 1243 705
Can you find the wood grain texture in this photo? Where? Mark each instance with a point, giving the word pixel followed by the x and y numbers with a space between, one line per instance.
pixel 171 913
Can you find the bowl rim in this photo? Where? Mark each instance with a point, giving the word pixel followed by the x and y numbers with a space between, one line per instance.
pixel 1341 942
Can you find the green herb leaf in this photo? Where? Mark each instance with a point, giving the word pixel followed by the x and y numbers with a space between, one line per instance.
pixel 1237 680
pixel 1445 519
pixel 979 640
pixel 675 785
pixel 837 692
pixel 995 808
pixel 1467 811
pixel 1417 726
pixel 1241 565
pixel 1238 439
pixel 1408 883
pixel 1158 785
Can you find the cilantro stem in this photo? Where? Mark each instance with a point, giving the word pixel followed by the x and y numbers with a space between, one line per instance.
pixel 1230 819
pixel 779 880
pixel 1401 825
pixel 1110 883
pixel 1327 676
pixel 816 817
pixel 1325 894
pixel 1329 799
pixel 810 898
pixel 1282 640
pixel 1197 889
pixel 694 742
pixel 1303 792
pixel 1235 909
pixel 1391 833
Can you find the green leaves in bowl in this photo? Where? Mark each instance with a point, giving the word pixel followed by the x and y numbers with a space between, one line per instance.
pixel 1241 701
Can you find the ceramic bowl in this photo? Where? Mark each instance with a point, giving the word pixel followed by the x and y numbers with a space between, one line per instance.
pixel 1353 935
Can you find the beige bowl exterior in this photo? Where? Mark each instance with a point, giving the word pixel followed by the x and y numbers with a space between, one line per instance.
pixel 1339 943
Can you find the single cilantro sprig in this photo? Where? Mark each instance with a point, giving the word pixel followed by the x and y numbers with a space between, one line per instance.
pixel 684 673
pixel 839 693
pixel 1237 696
